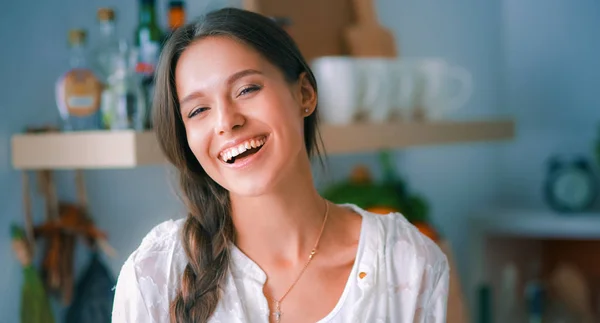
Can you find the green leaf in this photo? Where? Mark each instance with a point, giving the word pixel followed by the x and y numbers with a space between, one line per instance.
pixel 16 232
pixel 35 305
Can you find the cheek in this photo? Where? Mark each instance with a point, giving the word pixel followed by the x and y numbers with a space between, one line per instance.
pixel 198 140
pixel 283 113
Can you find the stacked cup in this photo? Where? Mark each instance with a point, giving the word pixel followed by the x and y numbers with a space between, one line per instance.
pixel 381 89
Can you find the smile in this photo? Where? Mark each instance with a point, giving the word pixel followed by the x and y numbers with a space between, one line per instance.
pixel 242 150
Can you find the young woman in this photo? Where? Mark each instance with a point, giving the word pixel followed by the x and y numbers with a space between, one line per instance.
pixel 235 112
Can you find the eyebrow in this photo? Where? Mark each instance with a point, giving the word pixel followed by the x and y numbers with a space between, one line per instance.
pixel 231 79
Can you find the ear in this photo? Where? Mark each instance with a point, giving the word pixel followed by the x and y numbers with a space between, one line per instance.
pixel 307 95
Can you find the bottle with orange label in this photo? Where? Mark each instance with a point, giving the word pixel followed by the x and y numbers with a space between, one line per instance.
pixel 79 91
pixel 176 14
pixel 175 17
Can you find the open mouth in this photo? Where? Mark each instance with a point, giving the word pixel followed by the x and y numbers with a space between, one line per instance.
pixel 243 150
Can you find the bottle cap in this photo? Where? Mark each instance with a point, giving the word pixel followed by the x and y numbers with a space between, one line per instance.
pixel 106 14
pixel 77 36
pixel 176 4
pixel 176 14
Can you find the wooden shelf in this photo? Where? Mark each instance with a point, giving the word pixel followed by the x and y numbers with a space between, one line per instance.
pixel 126 149
pixel 85 149
pixel 365 137
pixel 538 225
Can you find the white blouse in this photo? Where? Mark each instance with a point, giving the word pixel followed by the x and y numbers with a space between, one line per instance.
pixel 406 279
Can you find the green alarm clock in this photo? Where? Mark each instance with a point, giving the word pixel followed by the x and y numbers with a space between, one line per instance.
pixel 571 185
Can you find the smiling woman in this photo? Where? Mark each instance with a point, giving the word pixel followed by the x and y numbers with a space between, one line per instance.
pixel 235 111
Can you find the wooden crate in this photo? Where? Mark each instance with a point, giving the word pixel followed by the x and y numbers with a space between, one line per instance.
pixel 317 25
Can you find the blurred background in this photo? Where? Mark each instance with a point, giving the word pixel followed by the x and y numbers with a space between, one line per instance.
pixel 478 120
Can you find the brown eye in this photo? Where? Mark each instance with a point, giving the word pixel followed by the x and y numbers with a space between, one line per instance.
pixel 197 111
pixel 248 90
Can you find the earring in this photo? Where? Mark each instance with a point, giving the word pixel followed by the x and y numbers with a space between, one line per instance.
pixel 306 110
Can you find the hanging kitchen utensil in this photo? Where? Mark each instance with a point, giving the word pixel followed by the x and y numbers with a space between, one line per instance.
pixel 35 305
pixel 54 248
pixel 366 37
pixel 94 295
pixel 27 213
pixel 65 222
pixel 96 238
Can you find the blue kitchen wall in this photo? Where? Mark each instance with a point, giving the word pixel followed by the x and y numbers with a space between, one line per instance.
pixel 552 77
pixel 125 203
pixel 457 180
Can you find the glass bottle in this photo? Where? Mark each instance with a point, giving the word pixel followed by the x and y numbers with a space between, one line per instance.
pixel 107 46
pixel 510 308
pixel 557 311
pixel 176 14
pixel 78 91
pixel 148 40
pixel 484 303
pixel 123 99
pixel 535 296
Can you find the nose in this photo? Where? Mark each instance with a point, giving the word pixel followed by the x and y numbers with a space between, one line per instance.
pixel 228 118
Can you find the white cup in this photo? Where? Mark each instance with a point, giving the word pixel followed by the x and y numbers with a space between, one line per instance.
pixel 378 96
pixel 389 89
pixel 442 87
pixel 404 80
pixel 339 88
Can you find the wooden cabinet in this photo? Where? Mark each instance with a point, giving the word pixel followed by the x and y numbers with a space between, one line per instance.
pixel 536 242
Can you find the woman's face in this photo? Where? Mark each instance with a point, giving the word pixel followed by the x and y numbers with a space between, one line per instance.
pixel 244 121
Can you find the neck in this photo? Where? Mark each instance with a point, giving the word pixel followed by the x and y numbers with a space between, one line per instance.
pixel 282 226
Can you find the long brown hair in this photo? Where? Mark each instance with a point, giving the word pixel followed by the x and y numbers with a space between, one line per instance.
pixel 208 230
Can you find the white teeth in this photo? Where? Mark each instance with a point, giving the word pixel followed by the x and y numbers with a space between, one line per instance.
pixel 232 152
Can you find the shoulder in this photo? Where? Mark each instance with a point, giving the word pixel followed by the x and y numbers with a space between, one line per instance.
pixel 164 236
pixel 406 259
pixel 150 276
pixel 398 241
pixel 161 251
pixel 401 235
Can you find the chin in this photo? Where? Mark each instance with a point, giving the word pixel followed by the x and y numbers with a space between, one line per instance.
pixel 259 181
pixel 249 188
pixel 256 182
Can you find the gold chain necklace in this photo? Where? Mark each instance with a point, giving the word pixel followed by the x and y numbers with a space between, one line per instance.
pixel 278 312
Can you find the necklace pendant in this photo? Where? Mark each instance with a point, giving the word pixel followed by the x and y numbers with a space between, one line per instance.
pixel 277 313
